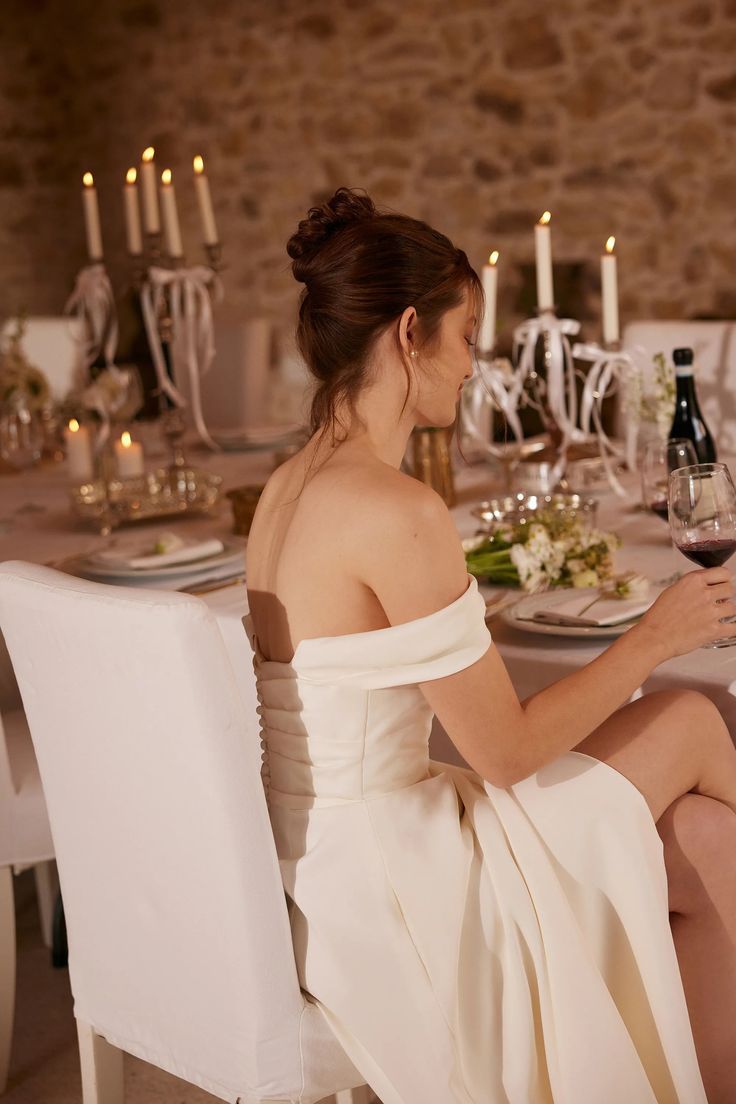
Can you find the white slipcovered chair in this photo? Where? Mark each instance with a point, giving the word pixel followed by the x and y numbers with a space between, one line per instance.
pixel 25 840
pixel 714 345
pixel 179 942
pixel 55 345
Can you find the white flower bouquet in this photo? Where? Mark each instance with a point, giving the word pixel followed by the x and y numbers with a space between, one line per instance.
pixel 551 551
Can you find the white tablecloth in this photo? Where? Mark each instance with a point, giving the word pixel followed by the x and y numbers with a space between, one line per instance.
pixel 35 525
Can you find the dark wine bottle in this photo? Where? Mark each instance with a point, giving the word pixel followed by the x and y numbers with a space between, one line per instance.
pixel 688 421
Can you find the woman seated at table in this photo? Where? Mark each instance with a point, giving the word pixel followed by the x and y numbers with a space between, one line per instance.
pixel 510 933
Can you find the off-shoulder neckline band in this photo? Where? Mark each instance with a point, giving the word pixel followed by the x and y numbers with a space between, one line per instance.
pixel 367 634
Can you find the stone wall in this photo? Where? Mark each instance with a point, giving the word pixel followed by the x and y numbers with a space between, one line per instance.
pixel 617 115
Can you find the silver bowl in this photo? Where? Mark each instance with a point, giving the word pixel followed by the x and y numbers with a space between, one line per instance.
pixel 523 507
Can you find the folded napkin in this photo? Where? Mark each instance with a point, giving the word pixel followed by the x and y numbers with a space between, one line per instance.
pixel 568 607
pixel 144 558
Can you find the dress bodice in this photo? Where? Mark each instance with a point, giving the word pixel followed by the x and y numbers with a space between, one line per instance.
pixel 346 720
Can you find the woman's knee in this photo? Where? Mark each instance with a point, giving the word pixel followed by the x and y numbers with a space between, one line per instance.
pixel 699 835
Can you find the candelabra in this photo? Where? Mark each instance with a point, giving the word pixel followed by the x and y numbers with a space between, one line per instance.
pixel 549 383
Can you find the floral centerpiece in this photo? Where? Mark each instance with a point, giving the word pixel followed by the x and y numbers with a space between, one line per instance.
pixel 21 383
pixel 551 551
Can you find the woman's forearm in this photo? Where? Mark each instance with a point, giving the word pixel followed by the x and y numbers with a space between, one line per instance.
pixel 558 718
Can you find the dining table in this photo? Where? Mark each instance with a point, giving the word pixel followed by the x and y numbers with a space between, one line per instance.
pixel 38 526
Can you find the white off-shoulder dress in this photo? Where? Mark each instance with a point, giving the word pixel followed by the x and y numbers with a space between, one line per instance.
pixel 468 944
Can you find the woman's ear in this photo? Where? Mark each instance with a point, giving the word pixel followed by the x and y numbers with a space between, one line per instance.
pixel 408 332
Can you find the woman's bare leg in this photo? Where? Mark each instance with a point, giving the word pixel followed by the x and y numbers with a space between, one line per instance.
pixel 699 835
pixel 675 748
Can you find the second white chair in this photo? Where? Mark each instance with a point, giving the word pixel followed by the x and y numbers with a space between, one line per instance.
pixel 179 942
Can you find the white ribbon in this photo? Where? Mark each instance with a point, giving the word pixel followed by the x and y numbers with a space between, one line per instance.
pixel 559 374
pixel 184 294
pixel 606 368
pixel 491 382
pixel 93 302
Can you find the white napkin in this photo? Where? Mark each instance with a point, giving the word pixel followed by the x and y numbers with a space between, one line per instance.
pixel 189 551
pixel 565 607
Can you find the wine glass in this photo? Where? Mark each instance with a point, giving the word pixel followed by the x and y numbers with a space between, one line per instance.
pixel 702 516
pixel 660 458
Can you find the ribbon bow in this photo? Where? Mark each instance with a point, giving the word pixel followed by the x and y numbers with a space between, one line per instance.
pixel 93 302
pixel 185 295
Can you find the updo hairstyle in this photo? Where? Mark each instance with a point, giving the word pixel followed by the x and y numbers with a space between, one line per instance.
pixel 361 269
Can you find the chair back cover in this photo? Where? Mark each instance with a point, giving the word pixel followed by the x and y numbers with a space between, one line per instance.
pixel 714 345
pixel 55 345
pixel 179 940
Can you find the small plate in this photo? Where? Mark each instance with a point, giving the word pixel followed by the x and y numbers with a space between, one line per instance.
pixel 519 617
pixel 231 554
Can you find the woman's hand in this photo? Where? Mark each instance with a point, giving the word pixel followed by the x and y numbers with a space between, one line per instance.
pixel 688 614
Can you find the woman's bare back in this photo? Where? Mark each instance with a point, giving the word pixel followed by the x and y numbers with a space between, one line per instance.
pixel 307 548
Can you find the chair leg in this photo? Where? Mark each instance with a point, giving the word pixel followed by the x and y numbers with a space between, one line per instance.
pixel 102 1068
pixel 47 886
pixel 7 970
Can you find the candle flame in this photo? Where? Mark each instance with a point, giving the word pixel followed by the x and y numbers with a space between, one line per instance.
pixel 131 176
pixel 545 218
pixel 610 244
pixel 493 259
pixel 88 180
pixel 125 439
pixel 166 176
pixel 148 153
pixel 198 164
pixel 73 425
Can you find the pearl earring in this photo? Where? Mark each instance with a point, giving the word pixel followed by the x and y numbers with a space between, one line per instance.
pixel 413 353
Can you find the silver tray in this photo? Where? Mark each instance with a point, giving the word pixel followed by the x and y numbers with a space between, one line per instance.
pixel 519 508
pixel 166 492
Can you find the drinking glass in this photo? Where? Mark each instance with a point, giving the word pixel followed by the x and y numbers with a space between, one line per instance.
pixel 660 458
pixel 21 436
pixel 702 516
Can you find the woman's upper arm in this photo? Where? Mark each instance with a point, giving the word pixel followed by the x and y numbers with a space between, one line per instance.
pixel 480 712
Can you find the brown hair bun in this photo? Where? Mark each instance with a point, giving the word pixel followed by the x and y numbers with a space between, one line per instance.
pixel 362 268
pixel 345 208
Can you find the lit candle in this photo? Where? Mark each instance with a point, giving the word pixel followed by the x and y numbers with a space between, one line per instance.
pixel 170 217
pixel 128 457
pixel 151 220
pixel 487 335
pixel 204 199
pixel 79 461
pixel 91 217
pixel 609 293
pixel 132 214
pixel 543 250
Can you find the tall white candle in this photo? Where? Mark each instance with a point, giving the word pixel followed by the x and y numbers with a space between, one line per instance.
pixel 128 457
pixel 91 217
pixel 79 462
pixel 151 221
pixel 170 217
pixel 204 199
pixel 133 234
pixel 543 251
pixel 609 293
pixel 489 277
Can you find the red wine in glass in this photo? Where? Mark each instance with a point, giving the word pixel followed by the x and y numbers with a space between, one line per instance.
pixel 709 553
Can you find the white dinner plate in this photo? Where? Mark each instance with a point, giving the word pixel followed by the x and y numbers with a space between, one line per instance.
pixel 230 555
pixel 519 617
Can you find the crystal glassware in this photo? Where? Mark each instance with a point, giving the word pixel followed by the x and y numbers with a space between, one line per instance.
pixel 659 459
pixel 702 516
